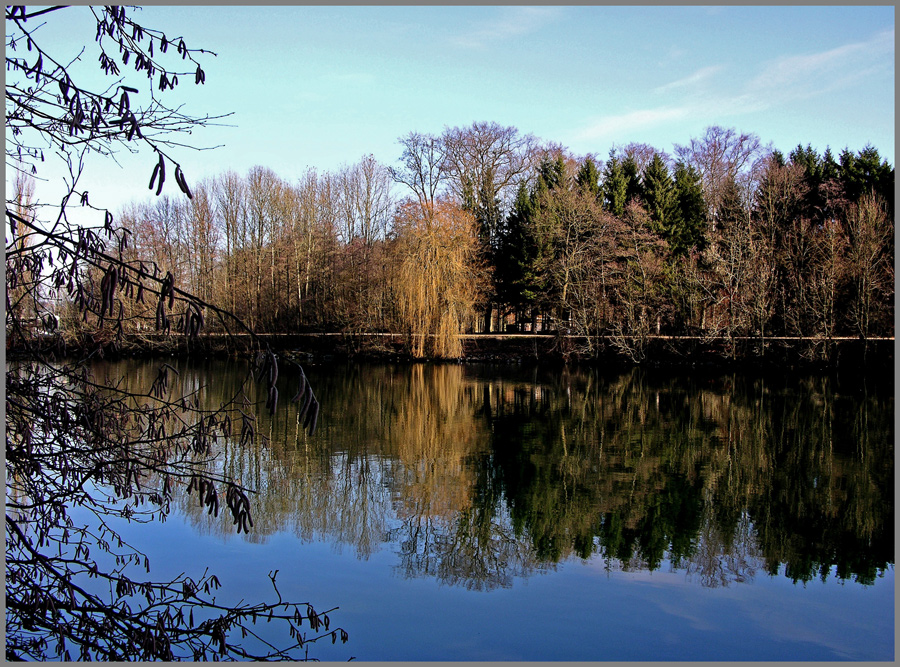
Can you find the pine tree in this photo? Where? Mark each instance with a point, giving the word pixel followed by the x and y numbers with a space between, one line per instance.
pixel 692 210
pixel 732 209
pixel 659 199
pixel 514 270
pixel 813 204
pixel 552 172
pixel 614 188
pixel 633 187
pixel 830 167
pixel 542 233
pixel 866 172
pixel 809 158
pixel 588 177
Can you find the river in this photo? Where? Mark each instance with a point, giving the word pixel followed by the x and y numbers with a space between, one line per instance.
pixel 509 512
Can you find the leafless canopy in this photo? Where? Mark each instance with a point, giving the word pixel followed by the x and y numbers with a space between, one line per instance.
pixel 720 154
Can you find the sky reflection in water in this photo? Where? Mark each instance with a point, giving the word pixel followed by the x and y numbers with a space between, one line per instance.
pixel 481 513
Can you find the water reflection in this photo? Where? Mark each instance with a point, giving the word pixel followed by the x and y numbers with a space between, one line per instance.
pixel 475 475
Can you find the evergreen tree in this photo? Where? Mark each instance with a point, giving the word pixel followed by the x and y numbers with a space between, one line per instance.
pixel 732 208
pixel 488 212
pixel 867 172
pixel 588 177
pixel 830 168
pixel 813 204
pixel 660 199
pixel 480 199
pixel 809 158
pixel 692 210
pixel 543 232
pixel 552 171
pixel 514 265
pixel 468 196
pixel 633 188
pixel 615 187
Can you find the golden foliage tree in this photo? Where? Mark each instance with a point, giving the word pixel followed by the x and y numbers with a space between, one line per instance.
pixel 440 279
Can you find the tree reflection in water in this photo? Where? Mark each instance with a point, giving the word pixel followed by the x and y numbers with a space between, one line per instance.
pixel 476 475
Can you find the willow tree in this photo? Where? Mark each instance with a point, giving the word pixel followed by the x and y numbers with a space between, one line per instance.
pixel 440 278
pixel 83 446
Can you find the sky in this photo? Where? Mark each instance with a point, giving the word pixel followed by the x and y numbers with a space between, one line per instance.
pixel 320 87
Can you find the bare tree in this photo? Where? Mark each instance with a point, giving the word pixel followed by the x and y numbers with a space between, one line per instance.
pixel 263 188
pixel 366 200
pixel 829 273
pixel 871 267
pixel 580 240
pixel 23 298
pixel 786 237
pixel 741 257
pixel 721 154
pixel 203 241
pixel 423 168
pixel 639 254
pixel 365 205
pixel 375 201
pixel 641 153
pixel 484 164
pixel 228 191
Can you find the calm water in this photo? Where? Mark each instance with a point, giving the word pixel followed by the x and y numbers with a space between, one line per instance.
pixel 499 513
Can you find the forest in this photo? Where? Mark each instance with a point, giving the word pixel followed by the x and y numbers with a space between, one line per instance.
pixel 485 229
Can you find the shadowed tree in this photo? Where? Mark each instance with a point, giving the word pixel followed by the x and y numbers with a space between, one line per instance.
pixel 691 232
pixel 514 273
pixel 634 189
pixel 867 172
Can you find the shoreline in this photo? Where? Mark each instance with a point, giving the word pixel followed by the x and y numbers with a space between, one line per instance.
pixel 658 351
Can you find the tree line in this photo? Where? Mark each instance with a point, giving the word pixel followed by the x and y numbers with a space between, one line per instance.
pixel 482 228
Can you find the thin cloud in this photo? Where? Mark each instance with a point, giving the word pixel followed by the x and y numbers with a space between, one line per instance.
pixel 804 76
pixel 801 77
pixel 691 81
pixel 616 125
pixel 779 82
pixel 514 22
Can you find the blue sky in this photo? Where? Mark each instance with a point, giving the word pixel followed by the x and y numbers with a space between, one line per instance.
pixel 322 86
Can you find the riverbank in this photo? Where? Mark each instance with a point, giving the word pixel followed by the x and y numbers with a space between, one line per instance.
pixel 652 351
